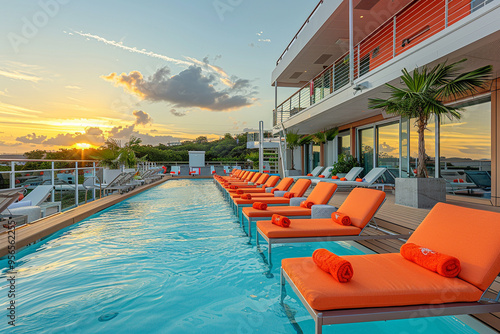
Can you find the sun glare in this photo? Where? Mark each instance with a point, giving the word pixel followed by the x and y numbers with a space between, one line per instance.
pixel 82 146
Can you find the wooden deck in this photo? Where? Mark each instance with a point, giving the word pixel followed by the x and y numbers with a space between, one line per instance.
pixel 402 220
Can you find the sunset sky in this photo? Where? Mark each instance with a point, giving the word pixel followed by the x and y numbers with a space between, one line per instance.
pixel 81 71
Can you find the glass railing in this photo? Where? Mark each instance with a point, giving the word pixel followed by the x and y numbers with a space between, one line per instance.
pixel 412 25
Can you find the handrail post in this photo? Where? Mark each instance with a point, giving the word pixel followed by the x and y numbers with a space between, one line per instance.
pixel 95 177
pixel 351 42
pixel 52 181
pixel 394 37
pixel 76 183
pixel 446 13
pixel 12 174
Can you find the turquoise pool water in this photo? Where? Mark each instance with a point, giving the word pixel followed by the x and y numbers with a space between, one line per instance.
pixel 170 260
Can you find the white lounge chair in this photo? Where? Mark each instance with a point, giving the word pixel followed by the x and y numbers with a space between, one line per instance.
pixel 368 180
pixel 315 172
pixel 351 176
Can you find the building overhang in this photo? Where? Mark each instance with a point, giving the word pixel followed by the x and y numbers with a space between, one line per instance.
pixel 476 38
pixel 325 37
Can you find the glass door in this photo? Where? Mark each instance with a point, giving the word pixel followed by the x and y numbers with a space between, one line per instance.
pixel 388 147
pixel 366 141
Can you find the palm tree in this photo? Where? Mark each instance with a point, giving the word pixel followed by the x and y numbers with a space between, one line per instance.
pixel 292 142
pixel 424 93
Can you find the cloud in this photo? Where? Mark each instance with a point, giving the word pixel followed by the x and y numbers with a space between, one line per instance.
pixel 31 138
pixel 72 87
pixel 178 113
pixel 267 40
pixel 122 131
pixel 142 118
pixel 92 135
pixel 189 88
pixel 384 147
pixel 185 63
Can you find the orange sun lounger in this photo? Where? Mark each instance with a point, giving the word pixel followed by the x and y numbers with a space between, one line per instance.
pixel 299 188
pixel 361 205
pixel 321 194
pixel 282 186
pixel 261 180
pixel 403 289
pixel 269 183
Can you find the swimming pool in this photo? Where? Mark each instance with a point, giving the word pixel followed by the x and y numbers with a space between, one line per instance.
pixel 170 260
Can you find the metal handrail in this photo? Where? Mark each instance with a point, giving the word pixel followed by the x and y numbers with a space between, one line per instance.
pixel 298 32
pixel 357 67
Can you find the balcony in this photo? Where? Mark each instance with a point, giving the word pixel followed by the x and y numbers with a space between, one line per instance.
pixel 411 25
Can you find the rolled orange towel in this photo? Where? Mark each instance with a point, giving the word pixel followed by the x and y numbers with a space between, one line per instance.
pixel 289 195
pixel 340 269
pixel 341 219
pixel 280 220
pixel 309 174
pixel 259 206
pixel 343 179
pixel 233 187
pixel 444 265
pixel 246 196
pixel 455 181
pixel 359 179
pixel 335 177
pixel 306 204
pixel 273 190
pixel 461 181
pixel 240 192
pixel 322 176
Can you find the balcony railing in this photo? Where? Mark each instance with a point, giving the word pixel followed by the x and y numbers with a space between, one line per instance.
pixel 298 32
pixel 409 27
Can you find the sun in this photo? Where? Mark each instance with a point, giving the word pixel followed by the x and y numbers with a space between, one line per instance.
pixel 82 146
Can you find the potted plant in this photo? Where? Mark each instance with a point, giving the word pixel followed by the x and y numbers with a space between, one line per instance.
pixel 423 95
pixel 344 164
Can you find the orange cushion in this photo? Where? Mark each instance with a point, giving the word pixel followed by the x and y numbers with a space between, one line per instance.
pixel 307 228
pixel 267 200
pixel 285 184
pixel 271 181
pixel 300 187
pixel 255 177
pixel 400 282
pixel 261 194
pixel 470 235
pixel 361 205
pixel 262 179
pixel 322 193
pixel 280 210
pixel 258 191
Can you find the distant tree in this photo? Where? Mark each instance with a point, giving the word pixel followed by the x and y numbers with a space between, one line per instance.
pixel 201 140
pixel 36 154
